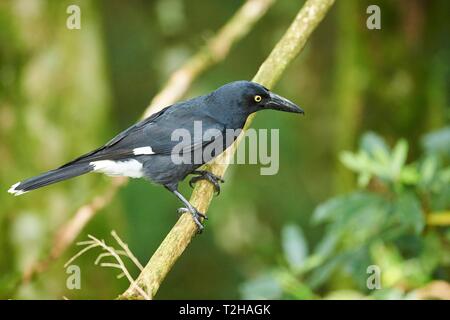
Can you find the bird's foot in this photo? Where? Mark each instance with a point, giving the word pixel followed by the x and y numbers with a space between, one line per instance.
pixel 184 210
pixel 196 216
pixel 208 176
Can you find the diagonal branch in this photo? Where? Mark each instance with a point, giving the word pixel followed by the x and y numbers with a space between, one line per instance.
pixel 214 51
pixel 269 73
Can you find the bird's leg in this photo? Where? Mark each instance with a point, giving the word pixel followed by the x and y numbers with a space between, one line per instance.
pixel 196 215
pixel 209 176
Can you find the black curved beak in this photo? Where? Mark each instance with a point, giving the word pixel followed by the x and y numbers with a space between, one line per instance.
pixel 277 102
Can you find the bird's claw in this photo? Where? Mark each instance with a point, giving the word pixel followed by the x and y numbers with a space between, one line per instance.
pixel 196 216
pixel 185 210
pixel 208 176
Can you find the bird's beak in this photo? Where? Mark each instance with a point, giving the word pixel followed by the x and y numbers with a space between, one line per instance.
pixel 277 102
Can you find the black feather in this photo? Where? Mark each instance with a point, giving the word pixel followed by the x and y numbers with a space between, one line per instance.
pixel 53 176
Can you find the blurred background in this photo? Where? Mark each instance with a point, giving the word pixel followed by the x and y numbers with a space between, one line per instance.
pixel 364 178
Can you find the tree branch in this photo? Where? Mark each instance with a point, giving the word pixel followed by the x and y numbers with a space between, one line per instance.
pixel 214 51
pixel 268 74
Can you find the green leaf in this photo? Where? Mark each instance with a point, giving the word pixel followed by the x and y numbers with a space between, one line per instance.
pixel 360 163
pixel 338 207
pixel 356 265
pixel 263 287
pixel 398 158
pixel 409 175
pixel 327 244
pixel 373 144
pixel 438 141
pixel 445 175
pixel 294 288
pixel 364 179
pixel 329 209
pixel 364 221
pixel 294 244
pixel 428 170
pixel 322 273
pixel 378 155
pixel 409 212
pixel 353 161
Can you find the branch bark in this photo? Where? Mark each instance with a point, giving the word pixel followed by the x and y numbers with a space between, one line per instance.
pixel 268 74
pixel 214 51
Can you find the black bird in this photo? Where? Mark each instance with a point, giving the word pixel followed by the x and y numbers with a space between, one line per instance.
pixel 147 149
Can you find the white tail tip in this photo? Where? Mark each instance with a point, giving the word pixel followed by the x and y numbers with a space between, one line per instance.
pixel 14 191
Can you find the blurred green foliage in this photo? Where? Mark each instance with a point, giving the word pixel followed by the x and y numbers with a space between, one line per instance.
pixel 64 92
pixel 381 223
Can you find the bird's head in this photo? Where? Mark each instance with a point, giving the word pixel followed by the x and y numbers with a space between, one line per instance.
pixel 250 97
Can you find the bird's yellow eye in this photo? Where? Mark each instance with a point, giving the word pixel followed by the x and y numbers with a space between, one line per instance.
pixel 258 98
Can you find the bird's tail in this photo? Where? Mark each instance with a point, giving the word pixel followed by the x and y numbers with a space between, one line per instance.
pixel 65 172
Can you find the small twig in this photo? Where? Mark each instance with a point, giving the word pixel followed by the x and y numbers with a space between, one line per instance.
pixel 440 219
pixel 119 265
pixel 127 250
pixel 107 254
pixel 111 265
pixel 214 51
pixel 111 252
pixel 80 253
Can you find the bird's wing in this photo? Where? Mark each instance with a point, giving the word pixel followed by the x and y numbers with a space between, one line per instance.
pixel 153 136
pixel 137 127
pixel 99 152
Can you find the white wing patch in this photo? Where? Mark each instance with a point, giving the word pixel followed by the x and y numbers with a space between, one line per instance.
pixel 16 192
pixel 143 150
pixel 128 168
